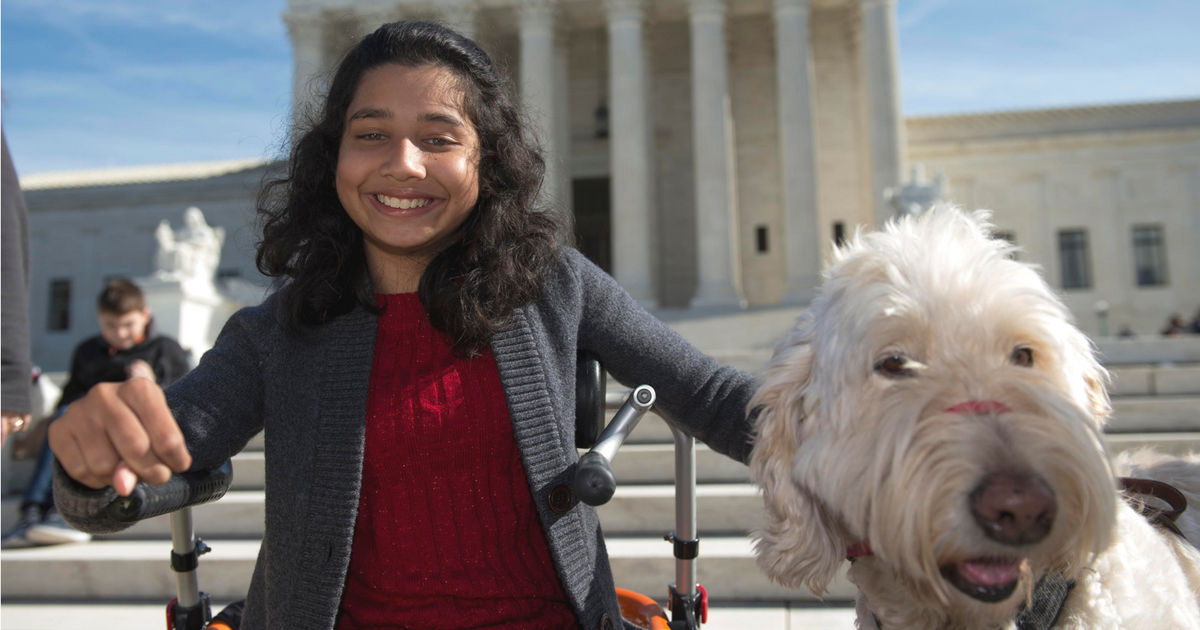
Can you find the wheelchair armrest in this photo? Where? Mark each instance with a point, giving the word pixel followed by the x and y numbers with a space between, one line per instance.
pixel 590 383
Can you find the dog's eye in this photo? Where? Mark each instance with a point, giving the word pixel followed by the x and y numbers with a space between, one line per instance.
pixel 895 366
pixel 1022 356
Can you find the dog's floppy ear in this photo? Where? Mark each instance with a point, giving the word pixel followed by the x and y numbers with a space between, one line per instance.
pixel 1097 392
pixel 1081 359
pixel 800 544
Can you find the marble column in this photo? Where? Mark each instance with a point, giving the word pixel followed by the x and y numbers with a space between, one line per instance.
pixel 538 53
pixel 884 122
pixel 562 121
pixel 631 132
pixel 712 137
pixel 460 16
pixel 307 31
pixel 798 153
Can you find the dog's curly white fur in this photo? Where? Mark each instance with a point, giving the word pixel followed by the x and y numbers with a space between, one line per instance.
pixel 859 438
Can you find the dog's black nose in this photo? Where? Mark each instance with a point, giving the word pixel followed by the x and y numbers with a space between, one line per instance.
pixel 1014 509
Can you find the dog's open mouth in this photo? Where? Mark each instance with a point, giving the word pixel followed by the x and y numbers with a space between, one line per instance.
pixel 986 579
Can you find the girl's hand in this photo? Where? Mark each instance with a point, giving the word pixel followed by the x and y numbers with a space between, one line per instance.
pixel 120 433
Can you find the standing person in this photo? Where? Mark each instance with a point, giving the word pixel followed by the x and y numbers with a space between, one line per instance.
pixel 127 348
pixel 15 364
pixel 414 371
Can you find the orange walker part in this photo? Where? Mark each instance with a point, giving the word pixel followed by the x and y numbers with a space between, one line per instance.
pixel 641 610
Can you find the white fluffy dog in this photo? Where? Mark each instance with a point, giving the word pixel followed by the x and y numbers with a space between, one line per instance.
pixel 936 416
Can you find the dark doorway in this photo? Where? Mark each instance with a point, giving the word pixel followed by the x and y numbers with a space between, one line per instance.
pixel 593 230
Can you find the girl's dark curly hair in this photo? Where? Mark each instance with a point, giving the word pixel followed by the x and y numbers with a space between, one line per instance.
pixel 502 251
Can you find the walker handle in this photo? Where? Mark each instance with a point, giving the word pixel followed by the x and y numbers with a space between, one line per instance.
pixel 594 480
pixel 180 491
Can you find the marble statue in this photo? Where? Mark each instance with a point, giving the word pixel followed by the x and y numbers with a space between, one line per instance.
pixel 189 255
pixel 917 196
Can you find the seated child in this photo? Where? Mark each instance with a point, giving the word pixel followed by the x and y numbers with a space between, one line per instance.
pixel 127 347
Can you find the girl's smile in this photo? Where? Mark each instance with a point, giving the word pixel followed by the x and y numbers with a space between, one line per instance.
pixel 408 169
pixel 403 203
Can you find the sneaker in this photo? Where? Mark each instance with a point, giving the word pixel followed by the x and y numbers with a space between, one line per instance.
pixel 53 530
pixel 16 537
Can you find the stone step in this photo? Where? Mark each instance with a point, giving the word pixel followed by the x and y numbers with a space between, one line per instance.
pixel 722 615
pixel 1177 444
pixel 643 510
pixel 726 567
pixel 1154 380
pixel 122 570
pixel 1137 414
pixel 1150 349
pixel 249 471
pixel 139 570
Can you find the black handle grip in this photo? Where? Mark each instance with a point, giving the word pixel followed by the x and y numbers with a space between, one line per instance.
pixel 589 398
pixel 182 490
pixel 594 480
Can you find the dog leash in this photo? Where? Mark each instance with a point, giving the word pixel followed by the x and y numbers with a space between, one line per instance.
pixel 1161 491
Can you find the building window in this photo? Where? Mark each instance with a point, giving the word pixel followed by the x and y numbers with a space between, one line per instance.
pixel 1074 259
pixel 839 233
pixel 760 234
pixel 60 305
pixel 1149 255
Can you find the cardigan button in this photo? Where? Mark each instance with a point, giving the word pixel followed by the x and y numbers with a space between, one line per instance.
pixel 560 498
pixel 606 623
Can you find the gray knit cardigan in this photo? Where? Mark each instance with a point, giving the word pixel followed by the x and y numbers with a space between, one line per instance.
pixel 309 395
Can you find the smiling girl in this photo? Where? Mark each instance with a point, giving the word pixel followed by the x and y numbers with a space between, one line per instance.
pixel 413 372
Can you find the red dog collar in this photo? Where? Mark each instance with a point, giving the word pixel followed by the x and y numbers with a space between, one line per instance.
pixel 860 548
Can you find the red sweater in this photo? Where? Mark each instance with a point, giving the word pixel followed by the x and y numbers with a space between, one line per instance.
pixel 447 534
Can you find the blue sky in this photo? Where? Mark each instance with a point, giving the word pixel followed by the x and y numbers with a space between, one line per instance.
pixel 95 83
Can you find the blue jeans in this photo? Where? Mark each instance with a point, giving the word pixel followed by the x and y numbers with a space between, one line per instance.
pixel 39 490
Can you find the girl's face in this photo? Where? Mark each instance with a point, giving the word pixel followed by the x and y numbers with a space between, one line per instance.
pixel 408 164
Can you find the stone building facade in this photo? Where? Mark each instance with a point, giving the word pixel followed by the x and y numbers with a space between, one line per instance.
pixel 1105 199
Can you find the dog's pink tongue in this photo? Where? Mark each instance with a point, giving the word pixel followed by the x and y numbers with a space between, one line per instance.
pixel 989 573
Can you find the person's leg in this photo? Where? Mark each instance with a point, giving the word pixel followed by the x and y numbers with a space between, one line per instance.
pixel 35 501
pixel 38 490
